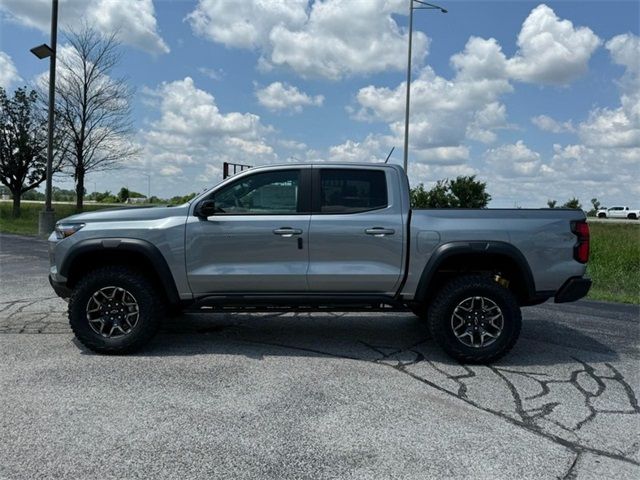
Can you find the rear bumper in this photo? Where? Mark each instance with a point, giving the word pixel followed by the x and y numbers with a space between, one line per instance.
pixel 60 288
pixel 573 289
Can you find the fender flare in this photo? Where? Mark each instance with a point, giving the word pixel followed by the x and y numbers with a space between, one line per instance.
pixel 452 249
pixel 132 245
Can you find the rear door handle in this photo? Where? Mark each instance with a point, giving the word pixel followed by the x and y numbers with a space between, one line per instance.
pixel 379 231
pixel 287 232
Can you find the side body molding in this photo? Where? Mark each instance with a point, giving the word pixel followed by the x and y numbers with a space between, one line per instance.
pixel 130 245
pixel 451 249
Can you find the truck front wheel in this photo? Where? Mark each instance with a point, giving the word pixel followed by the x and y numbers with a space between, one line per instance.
pixel 114 310
pixel 474 319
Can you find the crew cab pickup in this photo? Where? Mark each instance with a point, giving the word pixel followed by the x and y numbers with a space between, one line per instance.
pixel 619 212
pixel 317 237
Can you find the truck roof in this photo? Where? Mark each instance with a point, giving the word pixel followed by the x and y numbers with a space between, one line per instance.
pixel 330 165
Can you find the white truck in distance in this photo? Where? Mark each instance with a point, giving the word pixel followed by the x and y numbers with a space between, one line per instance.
pixel 619 212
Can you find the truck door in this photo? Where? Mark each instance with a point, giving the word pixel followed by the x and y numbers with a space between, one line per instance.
pixel 356 236
pixel 257 241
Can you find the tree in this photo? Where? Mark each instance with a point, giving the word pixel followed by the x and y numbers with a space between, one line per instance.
pixel 596 206
pixel 572 203
pixel 23 144
pixel 94 106
pixel 463 192
pixel 123 194
pixel 469 192
pixel 552 203
pixel 437 197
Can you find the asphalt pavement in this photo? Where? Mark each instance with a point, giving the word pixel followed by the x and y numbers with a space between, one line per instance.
pixel 312 395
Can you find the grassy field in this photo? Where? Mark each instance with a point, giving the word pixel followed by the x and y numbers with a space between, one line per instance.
pixel 27 224
pixel 614 265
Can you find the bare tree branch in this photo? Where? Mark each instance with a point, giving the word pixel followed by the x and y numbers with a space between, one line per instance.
pixel 95 107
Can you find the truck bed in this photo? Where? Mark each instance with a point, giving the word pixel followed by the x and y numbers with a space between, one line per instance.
pixel 543 236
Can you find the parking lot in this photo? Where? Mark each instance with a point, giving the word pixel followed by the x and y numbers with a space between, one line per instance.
pixel 312 395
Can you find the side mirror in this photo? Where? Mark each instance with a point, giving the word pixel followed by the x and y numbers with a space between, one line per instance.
pixel 205 209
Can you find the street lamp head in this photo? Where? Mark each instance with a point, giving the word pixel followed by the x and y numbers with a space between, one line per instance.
pixel 42 51
pixel 443 10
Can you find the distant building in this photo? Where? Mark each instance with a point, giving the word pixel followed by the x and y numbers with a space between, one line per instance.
pixel 137 200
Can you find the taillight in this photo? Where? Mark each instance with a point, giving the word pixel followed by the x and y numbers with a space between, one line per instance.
pixel 581 250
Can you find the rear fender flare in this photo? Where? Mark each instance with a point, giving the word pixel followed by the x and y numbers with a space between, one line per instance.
pixel 452 249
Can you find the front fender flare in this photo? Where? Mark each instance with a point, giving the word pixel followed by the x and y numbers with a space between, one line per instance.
pixel 132 245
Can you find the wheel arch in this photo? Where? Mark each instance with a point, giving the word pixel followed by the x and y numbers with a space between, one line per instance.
pixel 139 254
pixel 456 258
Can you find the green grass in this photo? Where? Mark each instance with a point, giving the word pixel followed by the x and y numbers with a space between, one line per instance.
pixel 27 223
pixel 614 263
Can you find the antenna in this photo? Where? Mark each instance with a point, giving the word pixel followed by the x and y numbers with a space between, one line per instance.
pixel 388 156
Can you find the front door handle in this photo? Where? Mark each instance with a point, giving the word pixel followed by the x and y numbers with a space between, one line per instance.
pixel 287 232
pixel 379 231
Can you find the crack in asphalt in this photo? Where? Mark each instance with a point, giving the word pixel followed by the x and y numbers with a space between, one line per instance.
pixel 572 473
pixel 526 420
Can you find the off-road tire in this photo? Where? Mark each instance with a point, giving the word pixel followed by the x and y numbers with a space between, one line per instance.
pixel 442 307
pixel 150 310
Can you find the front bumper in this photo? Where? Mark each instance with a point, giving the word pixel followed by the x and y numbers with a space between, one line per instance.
pixel 573 289
pixel 60 288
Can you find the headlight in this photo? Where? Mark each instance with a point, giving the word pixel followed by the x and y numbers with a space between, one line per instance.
pixel 64 230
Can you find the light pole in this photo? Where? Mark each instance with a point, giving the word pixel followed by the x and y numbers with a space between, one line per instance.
pixel 412 6
pixel 148 186
pixel 46 219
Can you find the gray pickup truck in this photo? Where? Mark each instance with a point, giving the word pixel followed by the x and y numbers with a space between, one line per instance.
pixel 317 237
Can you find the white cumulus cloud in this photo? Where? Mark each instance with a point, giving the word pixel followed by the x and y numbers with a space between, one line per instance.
pixel 245 24
pixel 618 127
pixel 548 124
pixel 282 96
pixel 192 136
pixel 551 50
pixel 445 112
pixel 514 160
pixel 8 71
pixel 329 38
pixel 134 20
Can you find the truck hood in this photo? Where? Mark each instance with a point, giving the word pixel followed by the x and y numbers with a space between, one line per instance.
pixel 127 214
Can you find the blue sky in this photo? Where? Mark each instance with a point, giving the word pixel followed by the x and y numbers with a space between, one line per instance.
pixel 540 100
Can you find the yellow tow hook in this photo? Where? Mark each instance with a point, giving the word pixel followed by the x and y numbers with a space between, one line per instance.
pixel 500 280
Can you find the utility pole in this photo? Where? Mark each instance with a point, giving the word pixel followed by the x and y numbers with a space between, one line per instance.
pixel 46 218
pixel 412 6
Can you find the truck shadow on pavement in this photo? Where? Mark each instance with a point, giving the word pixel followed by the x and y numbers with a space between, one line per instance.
pixel 357 336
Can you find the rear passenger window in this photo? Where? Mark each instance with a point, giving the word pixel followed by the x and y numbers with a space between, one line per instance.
pixel 352 191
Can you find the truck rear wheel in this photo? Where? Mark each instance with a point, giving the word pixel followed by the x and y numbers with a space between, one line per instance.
pixel 474 319
pixel 114 310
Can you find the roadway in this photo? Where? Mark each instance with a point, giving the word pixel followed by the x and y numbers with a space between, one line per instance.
pixel 312 395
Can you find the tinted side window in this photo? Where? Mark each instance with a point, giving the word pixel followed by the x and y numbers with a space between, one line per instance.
pixel 269 193
pixel 351 191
